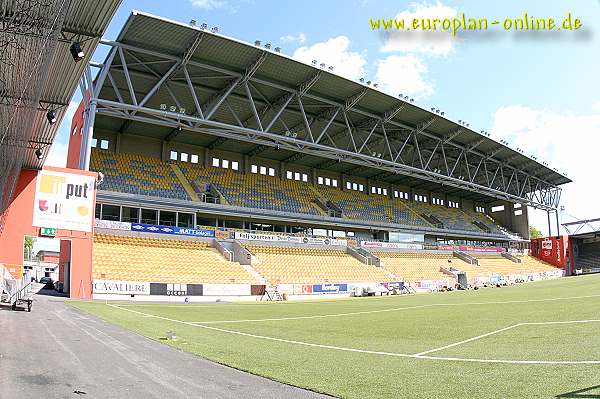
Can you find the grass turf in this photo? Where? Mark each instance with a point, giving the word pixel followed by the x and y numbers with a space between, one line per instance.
pixel 403 325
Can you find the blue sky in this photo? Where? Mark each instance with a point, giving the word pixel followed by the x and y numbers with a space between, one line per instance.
pixel 540 91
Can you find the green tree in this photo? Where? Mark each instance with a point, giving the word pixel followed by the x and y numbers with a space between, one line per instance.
pixel 534 233
pixel 28 247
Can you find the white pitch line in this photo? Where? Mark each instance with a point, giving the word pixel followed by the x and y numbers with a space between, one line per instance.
pixel 468 340
pixel 538 323
pixel 314 316
pixel 392 354
pixel 387 310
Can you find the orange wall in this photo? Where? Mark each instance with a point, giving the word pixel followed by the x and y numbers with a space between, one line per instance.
pixel 19 218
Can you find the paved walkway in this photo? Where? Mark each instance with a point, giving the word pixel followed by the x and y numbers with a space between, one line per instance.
pixel 59 352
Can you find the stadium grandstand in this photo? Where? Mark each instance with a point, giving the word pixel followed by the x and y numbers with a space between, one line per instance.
pixel 202 168
pixel 207 135
pixel 232 167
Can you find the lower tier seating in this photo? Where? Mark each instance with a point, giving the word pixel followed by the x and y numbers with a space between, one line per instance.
pixel 291 265
pixel 497 264
pixel 129 258
pixel 414 266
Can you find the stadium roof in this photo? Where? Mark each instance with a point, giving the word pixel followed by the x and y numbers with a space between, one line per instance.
pixel 187 84
pixel 85 22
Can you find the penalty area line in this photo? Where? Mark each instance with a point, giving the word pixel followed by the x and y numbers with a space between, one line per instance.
pixel 538 323
pixel 344 349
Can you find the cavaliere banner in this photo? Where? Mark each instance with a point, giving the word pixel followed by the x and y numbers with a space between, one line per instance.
pixel 64 201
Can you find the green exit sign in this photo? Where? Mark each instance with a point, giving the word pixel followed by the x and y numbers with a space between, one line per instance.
pixel 48 231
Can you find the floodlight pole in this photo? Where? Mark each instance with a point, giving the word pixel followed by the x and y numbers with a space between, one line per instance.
pixel 557 224
pixel 549 226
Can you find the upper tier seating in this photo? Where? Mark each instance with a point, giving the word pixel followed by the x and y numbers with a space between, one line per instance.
pixel 136 174
pixel 452 218
pixel 254 190
pixel 129 258
pixel 358 205
pixel 294 265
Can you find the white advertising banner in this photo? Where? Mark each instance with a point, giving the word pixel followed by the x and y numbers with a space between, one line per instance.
pixel 547 244
pixel 238 235
pixel 390 245
pixel 64 201
pixel 120 287
pixel 226 289
pixel 110 224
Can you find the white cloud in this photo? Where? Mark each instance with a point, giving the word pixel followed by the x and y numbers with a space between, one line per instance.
pixel 567 141
pixel 335 52
pixel 57 156
pixel 597 107
pixel 213 4
pixel 403 74
pixel 300 38
pixel 438 42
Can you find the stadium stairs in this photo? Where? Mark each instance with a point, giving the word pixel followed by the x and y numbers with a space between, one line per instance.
pixel 184 182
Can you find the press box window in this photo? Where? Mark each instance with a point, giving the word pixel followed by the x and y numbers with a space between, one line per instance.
pixel 173 156
pixel 184 156
pixel 216 162
pixel 104 144
pixel 254 169
pixel 194 158
pixel 235 165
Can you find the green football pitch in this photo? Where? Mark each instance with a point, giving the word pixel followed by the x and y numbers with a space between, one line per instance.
pixel 538 339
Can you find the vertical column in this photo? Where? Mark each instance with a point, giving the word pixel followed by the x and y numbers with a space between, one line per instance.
pixel 246 164
pixel 207 160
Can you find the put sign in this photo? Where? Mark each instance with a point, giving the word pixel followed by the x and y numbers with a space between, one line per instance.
pixel 64 201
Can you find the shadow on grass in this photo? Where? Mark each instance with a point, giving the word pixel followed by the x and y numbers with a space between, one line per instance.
pixel 588 393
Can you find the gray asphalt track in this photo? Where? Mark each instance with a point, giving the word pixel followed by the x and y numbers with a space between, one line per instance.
pixel 59 352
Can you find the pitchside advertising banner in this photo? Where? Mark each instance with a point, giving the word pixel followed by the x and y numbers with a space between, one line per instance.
pixel 153 228
pixel 64 201
pixel 238 235
pixel 181 231
pixel 121 287
pixel 390 245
